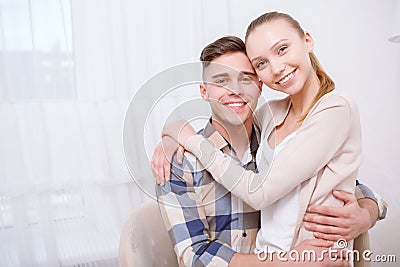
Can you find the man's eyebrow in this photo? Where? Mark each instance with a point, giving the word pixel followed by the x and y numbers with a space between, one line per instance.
pixel 220 75
pixel 272 48
pixel 240 73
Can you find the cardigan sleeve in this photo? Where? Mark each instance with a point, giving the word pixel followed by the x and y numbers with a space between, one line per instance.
pixel 316 143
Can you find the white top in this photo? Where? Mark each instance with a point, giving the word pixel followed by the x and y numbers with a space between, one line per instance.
pixel 278 221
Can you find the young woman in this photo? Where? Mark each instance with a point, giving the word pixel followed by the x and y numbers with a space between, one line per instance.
pixel 316 136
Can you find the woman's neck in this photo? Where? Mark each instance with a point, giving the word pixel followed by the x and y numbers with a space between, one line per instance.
pixel 301 101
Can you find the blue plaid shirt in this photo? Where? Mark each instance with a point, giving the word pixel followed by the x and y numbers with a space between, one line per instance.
pixel 206 223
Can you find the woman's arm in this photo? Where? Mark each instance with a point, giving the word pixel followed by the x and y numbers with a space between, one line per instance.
pixel 319 248
pixel 315 144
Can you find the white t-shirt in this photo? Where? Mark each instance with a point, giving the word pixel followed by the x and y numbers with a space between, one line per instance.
pixel 278 220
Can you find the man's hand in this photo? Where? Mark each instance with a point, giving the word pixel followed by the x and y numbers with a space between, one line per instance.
pixel 162 158
pixel 348 222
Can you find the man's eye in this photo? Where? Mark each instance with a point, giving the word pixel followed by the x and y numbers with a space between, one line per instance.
pixel 246 79
pixel 221 81
pixel 282 49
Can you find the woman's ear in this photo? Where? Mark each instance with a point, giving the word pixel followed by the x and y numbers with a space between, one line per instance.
pixel 309 41
pixel 203 92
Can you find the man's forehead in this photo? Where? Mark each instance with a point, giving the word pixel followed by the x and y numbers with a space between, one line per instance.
pixel 217 69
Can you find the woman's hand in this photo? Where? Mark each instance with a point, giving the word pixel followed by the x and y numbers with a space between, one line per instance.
pixel 174 136
pixel 180 131
pixel 162 158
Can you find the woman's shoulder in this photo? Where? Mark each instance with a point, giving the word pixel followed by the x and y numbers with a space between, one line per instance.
pixel 335 98
pixel 334 104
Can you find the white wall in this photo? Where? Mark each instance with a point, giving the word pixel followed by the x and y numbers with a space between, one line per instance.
pixel 351 42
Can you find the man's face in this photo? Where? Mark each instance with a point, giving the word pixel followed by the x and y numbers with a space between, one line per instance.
pixel 232 88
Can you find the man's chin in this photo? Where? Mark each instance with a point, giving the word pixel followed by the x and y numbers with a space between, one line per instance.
pixel 236 122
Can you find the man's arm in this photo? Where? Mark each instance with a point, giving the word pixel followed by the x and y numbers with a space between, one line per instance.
pixel 359 213
pixel 364 193
pixel 184 216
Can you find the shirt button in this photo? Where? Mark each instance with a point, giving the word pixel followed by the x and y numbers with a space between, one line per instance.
pixel 244 234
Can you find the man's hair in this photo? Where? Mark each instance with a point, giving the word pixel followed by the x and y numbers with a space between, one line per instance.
pixel 220 47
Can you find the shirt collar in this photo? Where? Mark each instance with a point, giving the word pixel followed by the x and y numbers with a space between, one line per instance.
pixel 220 142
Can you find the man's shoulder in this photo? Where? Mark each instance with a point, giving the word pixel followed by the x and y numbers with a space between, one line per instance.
pixel 266 110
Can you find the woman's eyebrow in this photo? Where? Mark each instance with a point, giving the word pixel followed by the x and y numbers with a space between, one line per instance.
pixel 272 48
pixel 277 43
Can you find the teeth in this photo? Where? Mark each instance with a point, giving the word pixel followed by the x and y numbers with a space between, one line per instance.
pixel 235 104
pixel 287 78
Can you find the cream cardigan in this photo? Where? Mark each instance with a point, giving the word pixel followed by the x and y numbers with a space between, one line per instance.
pixel 324 155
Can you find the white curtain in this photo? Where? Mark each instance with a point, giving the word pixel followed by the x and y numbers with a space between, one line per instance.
pixel 68 69
pixel 64 190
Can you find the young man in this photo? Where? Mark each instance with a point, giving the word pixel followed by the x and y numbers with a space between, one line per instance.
pixel 207 224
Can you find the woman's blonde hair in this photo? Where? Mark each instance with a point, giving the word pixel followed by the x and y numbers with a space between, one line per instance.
pixel 326 84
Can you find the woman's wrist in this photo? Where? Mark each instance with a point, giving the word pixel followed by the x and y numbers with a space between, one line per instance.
pixel 192 144
pixel 180 131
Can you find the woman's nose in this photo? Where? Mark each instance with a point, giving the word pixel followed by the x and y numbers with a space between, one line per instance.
pixel 277 67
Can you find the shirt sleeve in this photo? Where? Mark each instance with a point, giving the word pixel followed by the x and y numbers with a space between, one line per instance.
pixel 315 144
pixel 184 216
pixel 363 191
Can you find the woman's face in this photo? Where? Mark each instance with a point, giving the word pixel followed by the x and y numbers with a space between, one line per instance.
pixel 280 56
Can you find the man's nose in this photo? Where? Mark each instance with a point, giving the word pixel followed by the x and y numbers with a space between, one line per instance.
pixel 235 88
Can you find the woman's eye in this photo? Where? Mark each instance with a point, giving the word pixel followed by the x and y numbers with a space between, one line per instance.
pixel 260 64
pixel 282 49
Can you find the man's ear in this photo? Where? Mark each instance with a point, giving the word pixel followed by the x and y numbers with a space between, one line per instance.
pixel 203 92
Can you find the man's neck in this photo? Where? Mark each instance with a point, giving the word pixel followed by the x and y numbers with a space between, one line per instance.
pixel 238 136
